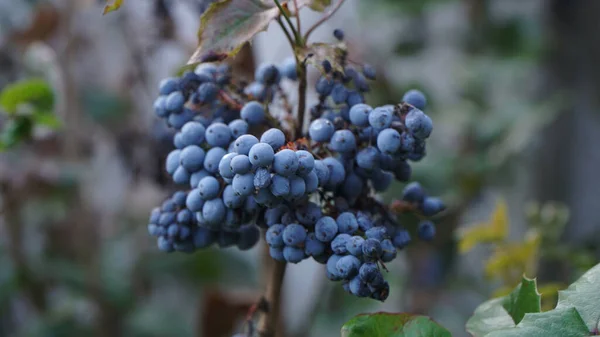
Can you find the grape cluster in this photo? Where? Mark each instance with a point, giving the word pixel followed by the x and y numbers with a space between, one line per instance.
pixel 314 195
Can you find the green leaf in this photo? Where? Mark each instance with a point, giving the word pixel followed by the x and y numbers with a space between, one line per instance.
pixel 15 131
pixel 522 300
pixel 561 322
pixel 489 316
pixel 584 295
pixel 316 53
pixel 109 8
pixel 227 24
pixel 392 325
pixel 46 119
pixel 34 91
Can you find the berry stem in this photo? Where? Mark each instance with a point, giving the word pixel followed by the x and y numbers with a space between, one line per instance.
pixel 301 99
pixel 285 15
pixel 323 19
pixel 268 321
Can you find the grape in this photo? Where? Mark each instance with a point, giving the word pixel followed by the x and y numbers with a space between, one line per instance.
pixel 207 92
pixel 231 199
pixel 338 34
pixel 288 68
pixel 181 175
pixel 332 272
pixel 261 155
pixel 322 172
pixel 194 201
pixel 153 229
pixel 364 222
pixel 280 186
pixel 267 74
pixel 326 229
pixel 339 94
pixel 382 180
pixel 327 67
pixel 218 134
pixel 354 246
pixel 256 91
pixel 253 113
pixel 213 158
pixel 368 158
pixel 347 223
pixel 178 141
pixel 172 162
pixel 311 181
pixel 401 239
pixel 343 141
pixel 168 85
pixel 388 141
pixel 293 254
pixel 306 162
pixel 389 251
pixel 419 124
pixel 192 133
pixel 309 214
pixel 312 246
pixel 166 219
pixel 324 86
pixel 240 164
pixel 348 266
pixel 274 236
pixel 339 243
pixel 160 108
pixel 359 114
pixel 248 237
pixel 372 248
pixel 273 137
pixel 285 162
pixel 432 206
pixel 360 82
pixel 262 178
pixel 225 169
pixel 175 101
pixel 243 184
pixel 377 233
pixel 297 188
pixel 164 245
pixel 413 192
pixel 381 294
pixel 368 271
pixel 209 188
pixel 294 235
pixel 265 197
pixel 192 158
pixel 380 118
pixel 358 287
pixel 277 254
pixel 321 130
pixel 426 230
pixel 238 127
pixel 369 71
pixel 415 98
pixel 213 211
pixel 418 151
pixel 337 173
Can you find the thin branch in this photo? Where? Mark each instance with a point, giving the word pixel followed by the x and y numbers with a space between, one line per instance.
pixel 287 18
pixel 268 322
pixel 298 26
pixel 323 19
pixel 285 31
pixel 301 98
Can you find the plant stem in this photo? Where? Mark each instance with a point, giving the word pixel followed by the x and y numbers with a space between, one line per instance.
pixel 285 31
pixel 297 36
pixel 298 26
pixel 323 19
pixel 268 322
pixel 301 98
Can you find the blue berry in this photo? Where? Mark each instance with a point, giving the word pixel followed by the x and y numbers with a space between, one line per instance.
pixel 175 101
pixel 214 211
pixel 172 161
pixel 225 169
pixel 280 186
pixel 293 254
pixel 209 188
pixel 432 206
pixel 277 254
pixel 192 133
pixel 339 243
pixel 218 134
pixel 181 175
pixel 238 127
pixel 241 164
pixel 262 178
pixel 312 246
pixel 368 158
pixel 243 184
pixel 267 74
pixel 377 233
pixel 326 229
pixel 372 248
pixel 322 172
pixel 338 34
pixel 273 137
pixel 364 222
pixel 339 93
pixel 419 124
pixel 294 235
pixel 253 113
pixel 207 92
pixel 213 158
pixel 261 155
pixel 359 114
pixel 413 192
pixel 354 246
pixel 381 180
pixel 285 162
pixel 306 162
pixel 332 272
pixel 192 158
pixel 388 141
pixel 178 120
pixel 231 199
pixel 324 86
pixel 401 239
pixel 381 117
pixel 321 130
pixel 426 230
pixel 274 236
pixel 359 288
pixel 348 266
pixel 160 106
pixel 248 237
pixel 168 85
pixel 244 143
pixel 288 68
pixel 369 71
pixel 354 98
pixel 312 182
pixel 343 141
pixel 347 223
pixel 337 173
pixel 415 98
pixel 368 271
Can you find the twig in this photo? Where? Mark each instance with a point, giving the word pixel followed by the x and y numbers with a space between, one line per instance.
pixel 323 19
pixel 298 26
pixel 268 322
pixel 287 18
pixel 223 95
pixel 301 99
pixel 285 31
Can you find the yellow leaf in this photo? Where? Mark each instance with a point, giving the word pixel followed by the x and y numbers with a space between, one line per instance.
pixel 493 230
pixel 512 260
pixel 109 8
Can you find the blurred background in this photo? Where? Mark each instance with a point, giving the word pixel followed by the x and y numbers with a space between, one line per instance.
pixel 514 90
